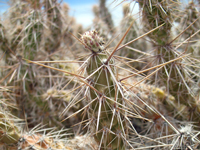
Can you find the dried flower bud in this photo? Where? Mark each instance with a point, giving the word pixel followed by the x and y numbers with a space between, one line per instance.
pixel 92 41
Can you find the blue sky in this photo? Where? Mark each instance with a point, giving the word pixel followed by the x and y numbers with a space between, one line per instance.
pixel 82 10
pixel 3 6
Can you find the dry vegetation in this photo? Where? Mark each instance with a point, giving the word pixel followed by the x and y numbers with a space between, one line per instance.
pixel 135 85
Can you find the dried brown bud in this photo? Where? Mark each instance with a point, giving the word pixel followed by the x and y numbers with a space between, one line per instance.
pixel 92 41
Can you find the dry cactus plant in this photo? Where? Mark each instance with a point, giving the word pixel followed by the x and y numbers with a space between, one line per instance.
pixel 105 15
pixel 174 76
pixel 62 87
pixel 135 49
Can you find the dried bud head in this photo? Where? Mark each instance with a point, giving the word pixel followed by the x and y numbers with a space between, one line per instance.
pixel 92 41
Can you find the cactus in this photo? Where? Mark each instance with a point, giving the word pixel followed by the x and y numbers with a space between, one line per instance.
pixel 190 15
pixel 33 33
pixel 107 101
pixel 55 25
pixel 154 14
pixel 106 16
pixel 173 75
pixel 104 94
pixel 139 45
pixel 9 132
pixel 99 24
pixel 13 135
pixel 3 39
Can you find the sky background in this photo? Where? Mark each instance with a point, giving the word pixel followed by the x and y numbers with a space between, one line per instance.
pixel 82 10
